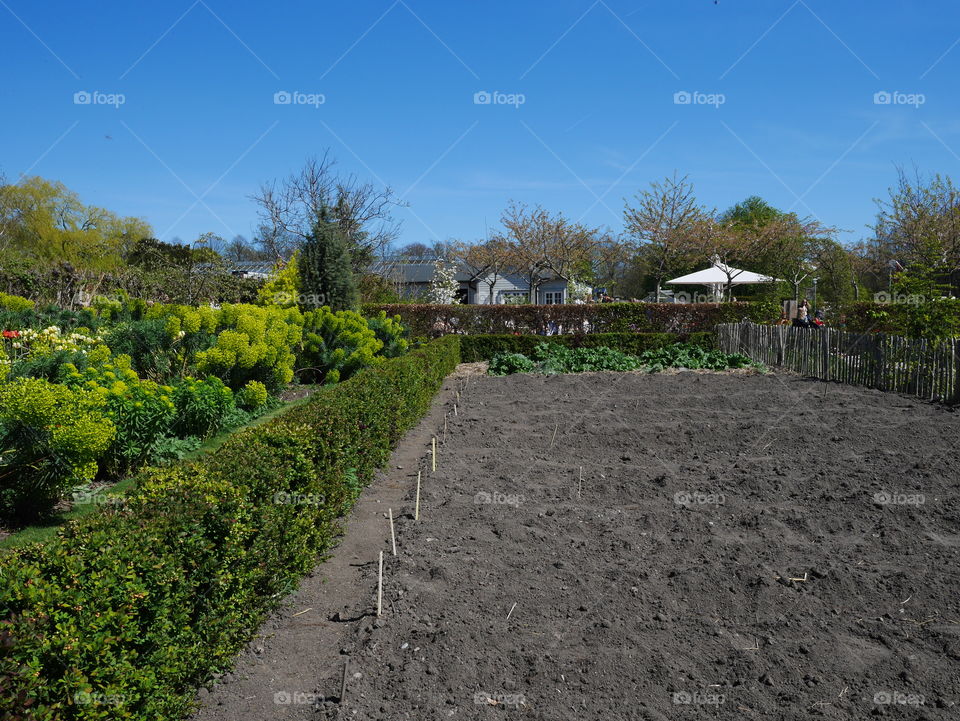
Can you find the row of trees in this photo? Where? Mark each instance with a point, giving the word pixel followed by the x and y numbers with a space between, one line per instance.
pixel 666 232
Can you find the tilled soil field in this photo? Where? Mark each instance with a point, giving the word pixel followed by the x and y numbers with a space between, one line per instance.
pixel 625 546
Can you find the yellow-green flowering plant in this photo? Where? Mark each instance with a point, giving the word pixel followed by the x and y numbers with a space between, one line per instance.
pixel 51 436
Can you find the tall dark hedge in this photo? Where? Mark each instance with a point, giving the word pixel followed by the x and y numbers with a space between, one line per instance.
pixel 436 320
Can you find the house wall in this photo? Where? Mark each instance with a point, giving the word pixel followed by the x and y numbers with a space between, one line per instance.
pixel 513 283
pixel 504 283
pixel 552 286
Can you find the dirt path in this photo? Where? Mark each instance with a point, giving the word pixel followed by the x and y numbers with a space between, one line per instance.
pixel 658 586
pixel 301 644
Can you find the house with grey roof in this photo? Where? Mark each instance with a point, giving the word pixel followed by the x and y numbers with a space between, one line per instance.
pixel 412 279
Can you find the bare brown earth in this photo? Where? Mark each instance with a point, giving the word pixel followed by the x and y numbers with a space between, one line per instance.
pixel 739 547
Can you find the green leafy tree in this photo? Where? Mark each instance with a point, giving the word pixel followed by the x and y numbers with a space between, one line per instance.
pixel 921 298
pixel 326 276
pixel 46 222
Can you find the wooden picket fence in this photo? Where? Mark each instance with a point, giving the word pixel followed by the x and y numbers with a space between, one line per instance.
pixel 913 366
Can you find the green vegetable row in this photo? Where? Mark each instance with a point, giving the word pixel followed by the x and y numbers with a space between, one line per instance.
pixel 550 358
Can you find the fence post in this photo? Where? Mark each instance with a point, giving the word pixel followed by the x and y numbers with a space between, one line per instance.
pixel 955 347
pixel 879 365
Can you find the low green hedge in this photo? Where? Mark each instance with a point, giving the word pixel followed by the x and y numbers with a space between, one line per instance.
pixel 128 611
pixel 475 348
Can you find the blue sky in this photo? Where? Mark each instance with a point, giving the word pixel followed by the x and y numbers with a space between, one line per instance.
pixel 792 85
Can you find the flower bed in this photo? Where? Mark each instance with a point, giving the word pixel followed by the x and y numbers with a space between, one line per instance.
pixel 129 610
pixel 143 384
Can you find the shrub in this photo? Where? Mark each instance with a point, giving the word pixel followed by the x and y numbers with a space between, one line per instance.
pixel 283 286
pixel 142 411
pixel 151 345
pixel 51 437
pixel 202 406
pixel 252 396
pixel 337 345
pixel 119 306
pixel 391 332
pixel 15 303
pixel 50 366
pixel 254 343
pixel 141 603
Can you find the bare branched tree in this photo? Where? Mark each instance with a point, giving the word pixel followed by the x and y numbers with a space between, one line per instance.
pixel 542 243
pixel 661 224
pixel 289 209
pixel 490 260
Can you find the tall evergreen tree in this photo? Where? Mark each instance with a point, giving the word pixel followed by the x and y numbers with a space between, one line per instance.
pixel 326 277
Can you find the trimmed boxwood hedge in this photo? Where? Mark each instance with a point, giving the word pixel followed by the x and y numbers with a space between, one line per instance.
pixel 483 347
pixel 127 612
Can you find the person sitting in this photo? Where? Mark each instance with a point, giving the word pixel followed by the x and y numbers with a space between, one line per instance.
pixel 803 315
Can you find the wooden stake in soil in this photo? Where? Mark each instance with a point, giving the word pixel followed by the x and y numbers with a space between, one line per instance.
pixel 455 410
pixel 393 538
pixel 555 429
pixel 343 683
pixel 580 483
pixel 416 508
pixel 380 588
pixel 433 459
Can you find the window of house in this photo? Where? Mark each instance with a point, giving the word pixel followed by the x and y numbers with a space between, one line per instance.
pixel 513 297
pixel 553 297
